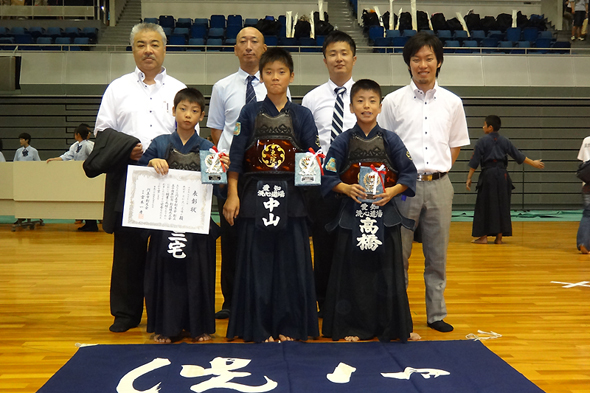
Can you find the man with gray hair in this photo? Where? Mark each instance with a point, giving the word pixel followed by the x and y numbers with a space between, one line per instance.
pixel 138 104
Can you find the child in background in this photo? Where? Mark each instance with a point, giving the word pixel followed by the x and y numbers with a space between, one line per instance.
pixel 26 152
pixel 494 186
pixel 81 149
pixel 180 289
pixel 366 294
pixel 274 296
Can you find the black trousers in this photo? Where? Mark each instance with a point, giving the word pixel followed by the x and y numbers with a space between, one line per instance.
pixel 129 258
pixel 229 244
pixel 322 211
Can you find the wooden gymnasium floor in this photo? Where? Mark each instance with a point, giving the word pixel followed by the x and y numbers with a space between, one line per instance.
pixel 54 293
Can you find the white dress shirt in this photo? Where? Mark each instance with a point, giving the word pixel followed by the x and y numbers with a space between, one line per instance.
pixel 2 159
pixel 584 153
pixel 137 109
pixel 28 153
pixel 227 99
pixel 429 124
pixel 320 101
pixel 79 151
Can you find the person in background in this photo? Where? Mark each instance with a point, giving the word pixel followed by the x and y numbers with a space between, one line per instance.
pixel 494 186
pixel 26 152
pixel 583 236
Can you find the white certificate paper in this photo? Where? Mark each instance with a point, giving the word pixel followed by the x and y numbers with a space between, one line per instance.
pixel 177 201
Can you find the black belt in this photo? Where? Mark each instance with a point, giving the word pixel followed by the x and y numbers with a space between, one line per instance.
pixel 431 176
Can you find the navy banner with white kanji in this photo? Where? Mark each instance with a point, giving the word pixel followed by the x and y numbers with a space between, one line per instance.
pixel 293 367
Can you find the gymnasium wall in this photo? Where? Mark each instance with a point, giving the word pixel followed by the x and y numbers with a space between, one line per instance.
pixel 543 102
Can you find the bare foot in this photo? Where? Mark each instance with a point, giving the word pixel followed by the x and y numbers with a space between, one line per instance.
pixel 285 338
pixel 161 339
pixel 414 337
pixel 203 337
pixel 480 240
pixel 583 249
pixel 351 338
pixel 498 241
pixel 269 340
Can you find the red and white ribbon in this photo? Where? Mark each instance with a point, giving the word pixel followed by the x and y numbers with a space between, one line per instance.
pixel 218 154
pixel 317 155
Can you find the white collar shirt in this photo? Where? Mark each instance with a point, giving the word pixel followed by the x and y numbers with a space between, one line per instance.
pixel 28 153
pixel 320 101
pixel 131 106
pixel 429 123
pixel 227 99
pixel 584 153
pixel 79 151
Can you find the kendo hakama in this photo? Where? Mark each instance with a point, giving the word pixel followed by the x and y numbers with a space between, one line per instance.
pixel 274 288
pixel 491 215
pixel 180 268
pixel 366 294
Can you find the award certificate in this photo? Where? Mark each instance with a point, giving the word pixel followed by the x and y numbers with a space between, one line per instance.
pixel 177 201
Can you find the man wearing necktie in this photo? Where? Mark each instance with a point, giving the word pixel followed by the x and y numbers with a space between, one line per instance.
pixel 329 103
pixel 228 97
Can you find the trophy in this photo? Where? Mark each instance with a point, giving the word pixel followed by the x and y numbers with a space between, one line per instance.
pixel 212 169
pixel 308 170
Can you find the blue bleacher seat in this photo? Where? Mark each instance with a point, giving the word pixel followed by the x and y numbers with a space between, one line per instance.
pixel 513 34
pixel 505 45
pixel 24 39
pixel 431 32
pixel 409 33
pixel 392 33
pixel 166 21
pixel 36 31
pixel 472 45
pixel 235 20
pixel 271 40
pixel 184 22
pixel 71 32
pixel 460 35
pixel 201 22
pixel 230 41
pixel 289 43
pixel 398 43
pixel 7 43
pixel 196 41
pixel 63 41
pixel 306 41
pixel 319 40
pixel 451 44
pixel 53 32
pixel 214 44
pixel 478 35
pixel 45 41
pixel 282 20
pixel 283 30
pixel 232 31
pixel 18 30
pixel 216 32
pixel 4 31
pixel 382 43
pixel 151 20
pixel 181 31
pixel 497 34
pixel 91 33
pixel 375 32
pixel 530 34
pixel 168 31
pixel 176 39
pixel 250 22
pixel 542 44
pixel 523 45
pixel 80 41
pixel 198 31
pixel 444 35
pixel 217 21
pixel 489 42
